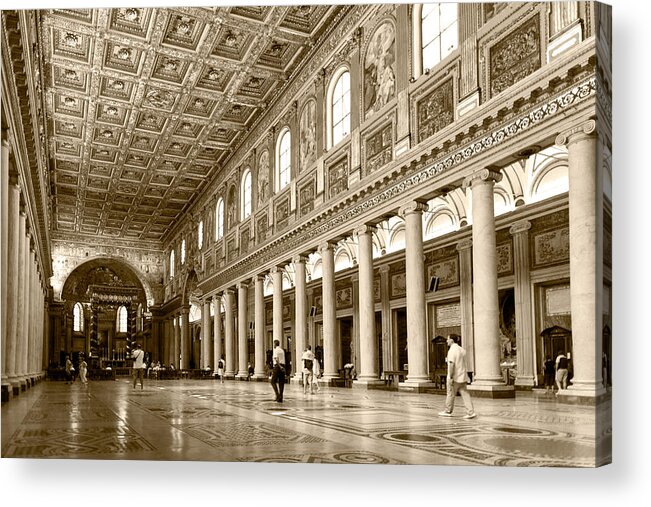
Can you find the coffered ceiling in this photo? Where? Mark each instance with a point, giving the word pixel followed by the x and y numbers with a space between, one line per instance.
pixel 144 105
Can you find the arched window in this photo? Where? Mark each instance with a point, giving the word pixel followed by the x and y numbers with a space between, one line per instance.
pixel 219 220
pixel 200 235
pixel 172 264
pixel 283 159
pixel 245 194
pixel 339 110
pixel 439 32
pixel 122 319
pixel 78 318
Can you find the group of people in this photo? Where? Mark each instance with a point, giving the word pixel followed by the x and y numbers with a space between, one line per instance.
pixel 70 371
pixel 556 372
pixel 311 371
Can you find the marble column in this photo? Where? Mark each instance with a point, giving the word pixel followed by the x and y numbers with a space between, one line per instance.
pixel 586 258
pixel 259 328
pixel 417 346
pixel 488 376
pixel 217 331
pixel 31 337
pixel 388 345
pixel 242 329
pixel 368 348
pixel 331 342
pixel 4 245
pixel 277 279
pixel 177 341
pixel 464 247
pixel 300 313
pixel 229 326
pixel 525 341
pixel 206 336
pixel 20 303
pixel 9 350
pixel 186 340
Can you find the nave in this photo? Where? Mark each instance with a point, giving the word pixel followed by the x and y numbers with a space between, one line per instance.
pixel 204 420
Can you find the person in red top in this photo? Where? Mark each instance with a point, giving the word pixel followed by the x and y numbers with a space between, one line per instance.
pixel 457 379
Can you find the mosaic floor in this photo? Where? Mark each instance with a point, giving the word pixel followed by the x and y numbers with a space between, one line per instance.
pixel 203 420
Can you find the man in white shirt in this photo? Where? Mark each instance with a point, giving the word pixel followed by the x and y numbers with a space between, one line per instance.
pixel 278 374
pixel 457 379
pixel 138 366
pixel 308 366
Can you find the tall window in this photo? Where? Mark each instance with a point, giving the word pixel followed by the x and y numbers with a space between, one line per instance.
pixel 172 264
pixel 78 318
pixel 341 108
pixel 122 319
pixel 284 163
pixel 183 252
pixel 219 220
pixel 246 194
pixel 439 32
pixel 200 235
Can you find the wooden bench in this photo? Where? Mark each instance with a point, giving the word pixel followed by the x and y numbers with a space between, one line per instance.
pixel 395 377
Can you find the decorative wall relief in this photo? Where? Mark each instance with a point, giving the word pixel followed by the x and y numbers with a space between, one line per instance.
pixel 261 227
pixel 231 249
pixel 306 197
pixel 281 213
pixel 263 178
pixel 435 111
pixel 378 149
pixel 515 57
pixel 344 298
pixel 307 135
pixel 244 240
pixel 448 315
pixel 338 177
pixel 504 255
pixel 379 69
pixel 552 247
pixel 318 304
pixel 398 285
pixel 447 272
pixel 492 9
pixel 377 291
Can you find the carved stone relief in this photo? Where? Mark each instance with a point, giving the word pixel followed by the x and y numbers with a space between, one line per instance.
pixel 504 255
pixel 379 69
pixel 398 285
pixel 344 298
pixel 244 240
pixel 338 177
pixel 435 111
pixel 515 57
pixel 262 227
pixel 552 247
pixel 281 213
pixel 378 149
pixel 306 197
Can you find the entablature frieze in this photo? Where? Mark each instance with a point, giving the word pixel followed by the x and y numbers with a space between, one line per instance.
pixel 492 133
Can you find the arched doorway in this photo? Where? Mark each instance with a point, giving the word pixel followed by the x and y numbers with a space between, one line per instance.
pixel 556 340
pixel 102 300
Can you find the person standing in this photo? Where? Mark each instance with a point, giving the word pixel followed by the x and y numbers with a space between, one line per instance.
pixel 457 379
pixel 316 373
pixel 561 371
pixel 69 370
pixel 278 373
pixel 221 364
pixel 83 369
pixel 138 366
pixel 549 374
pixel 308 365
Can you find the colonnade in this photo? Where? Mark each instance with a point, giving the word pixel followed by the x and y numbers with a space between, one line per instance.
pixel 478 293
pixel 23 290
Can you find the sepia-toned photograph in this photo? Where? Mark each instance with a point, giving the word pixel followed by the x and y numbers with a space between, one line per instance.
pixel 350 234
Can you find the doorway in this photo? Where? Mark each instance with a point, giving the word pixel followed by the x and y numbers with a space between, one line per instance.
pixel 346 340
pixel 400 332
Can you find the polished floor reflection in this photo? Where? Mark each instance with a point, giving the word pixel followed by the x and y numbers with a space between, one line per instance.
pixel 240 421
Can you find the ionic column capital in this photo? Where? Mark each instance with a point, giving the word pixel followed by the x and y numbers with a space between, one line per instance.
pixel 299 259
pixel 464 244
pixel 577 133
pixel 520 227
pixel 216 298
pixel 483 175
pixel 412 207
pixel 364 229
pixel 258 277
pixel 276 269
pixel 242 285
pixel 384 268
pixel 326 245
pixel 228 292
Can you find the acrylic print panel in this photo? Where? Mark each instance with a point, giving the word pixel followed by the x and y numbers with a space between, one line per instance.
pixel 490 118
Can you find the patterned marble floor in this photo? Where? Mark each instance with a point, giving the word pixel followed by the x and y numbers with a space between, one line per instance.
pixel 203 420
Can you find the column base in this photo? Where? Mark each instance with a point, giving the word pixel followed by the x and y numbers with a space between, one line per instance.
pixel 492 391
pixel 242 376
pixel 7 392
pixel 260 377
pixel 372 383
pixel 416 386
pixel 524 383
pixel 15 386
pixel 583 396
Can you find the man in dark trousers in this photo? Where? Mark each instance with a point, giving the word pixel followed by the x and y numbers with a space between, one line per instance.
pixel 278 373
